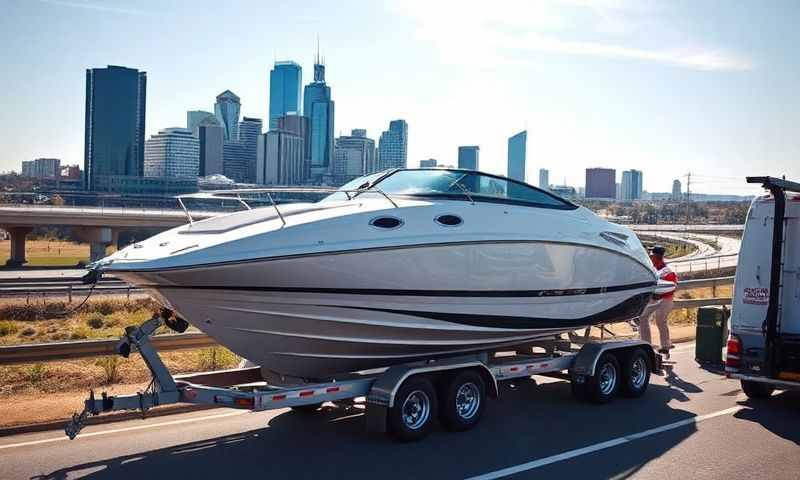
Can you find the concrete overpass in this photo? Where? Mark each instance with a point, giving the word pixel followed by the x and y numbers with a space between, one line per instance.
pixel 99 226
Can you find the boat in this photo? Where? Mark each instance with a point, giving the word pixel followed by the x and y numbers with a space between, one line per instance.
pixel 397 266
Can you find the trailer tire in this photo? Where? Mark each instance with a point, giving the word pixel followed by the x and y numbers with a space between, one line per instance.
pixel 463 400
pixel 307 409
pixel 603 386
pixel 757 390
pixel 635 373
pixel 415 408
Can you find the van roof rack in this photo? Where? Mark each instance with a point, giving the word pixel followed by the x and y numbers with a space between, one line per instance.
pixel 771 182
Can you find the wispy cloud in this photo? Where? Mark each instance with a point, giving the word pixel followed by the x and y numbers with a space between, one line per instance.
pixel 85 5
pixel 489 34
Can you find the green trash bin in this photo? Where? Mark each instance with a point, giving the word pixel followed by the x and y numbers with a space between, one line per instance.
pixel 712 334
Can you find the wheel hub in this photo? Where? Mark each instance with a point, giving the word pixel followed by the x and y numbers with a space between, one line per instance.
pixel 468 400
pixel 416 409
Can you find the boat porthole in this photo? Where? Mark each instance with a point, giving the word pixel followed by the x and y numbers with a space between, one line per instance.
pixel 386 223
pixel 449 220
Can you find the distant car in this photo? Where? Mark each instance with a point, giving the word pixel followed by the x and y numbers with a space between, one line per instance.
pixel 764 343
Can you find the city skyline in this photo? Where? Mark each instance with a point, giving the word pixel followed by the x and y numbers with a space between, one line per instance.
pixel 707 75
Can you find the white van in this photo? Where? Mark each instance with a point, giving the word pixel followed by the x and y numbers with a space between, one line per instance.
pixel 764 342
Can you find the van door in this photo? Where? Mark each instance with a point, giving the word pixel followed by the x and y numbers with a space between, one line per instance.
pixel 790 301
pixel 751 286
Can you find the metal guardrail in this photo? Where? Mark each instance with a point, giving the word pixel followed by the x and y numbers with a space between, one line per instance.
pixel 46 352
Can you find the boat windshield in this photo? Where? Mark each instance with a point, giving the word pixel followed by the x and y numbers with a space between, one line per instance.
pixel 458 184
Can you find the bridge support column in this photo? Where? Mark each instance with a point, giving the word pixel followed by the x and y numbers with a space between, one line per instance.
pixel 99 239
pixel 17 234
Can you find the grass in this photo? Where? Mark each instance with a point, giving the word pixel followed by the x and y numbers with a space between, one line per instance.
pixel 43 253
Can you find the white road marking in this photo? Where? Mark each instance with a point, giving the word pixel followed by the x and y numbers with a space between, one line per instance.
pixel 125 429
pixel 523 467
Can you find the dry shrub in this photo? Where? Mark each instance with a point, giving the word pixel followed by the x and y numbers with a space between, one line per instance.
pixel 110 366
pixel 216 358
pixel 7 327
pixel 95 320
pixel 35 373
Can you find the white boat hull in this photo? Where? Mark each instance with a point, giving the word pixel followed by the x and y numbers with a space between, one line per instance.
pixel 315 315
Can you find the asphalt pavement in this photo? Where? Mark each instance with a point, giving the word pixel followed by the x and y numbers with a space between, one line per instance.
pixel 690 424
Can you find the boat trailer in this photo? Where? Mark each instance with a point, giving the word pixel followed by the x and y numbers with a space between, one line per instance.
pixel 400 399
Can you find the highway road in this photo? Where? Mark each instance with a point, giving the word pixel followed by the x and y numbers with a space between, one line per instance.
pixel 690 424
pixel 706 257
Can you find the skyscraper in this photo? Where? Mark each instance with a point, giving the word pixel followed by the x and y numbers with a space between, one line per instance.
pixel 676 189
pixel 114 129
pixel 172 152
pixel 318 107
pixel 517 146
pixel 300 126
pixel 364 147
pixel 227 112
pixel 393 146
pixel 544 178
pixel 194 117
pixel 285 80
pixel 601 183
pixel 249 131
pixel 468 157
pixel 631 185
pixel 211 136
pixel 281 158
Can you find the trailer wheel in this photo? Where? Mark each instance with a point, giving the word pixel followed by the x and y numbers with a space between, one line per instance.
pixel 635 373
pixel 307 408
pixel 757 390
pixel 463 400
pixel 602 387
pixel 411 417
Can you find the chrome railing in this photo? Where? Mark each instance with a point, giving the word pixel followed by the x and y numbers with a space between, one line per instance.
pixel 236 195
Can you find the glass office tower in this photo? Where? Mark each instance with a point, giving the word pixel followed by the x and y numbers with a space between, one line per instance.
pixel 468 157
pixel 285 80
pixel 393 146
pixel 114 128
pixel 516 156
pixel 227 112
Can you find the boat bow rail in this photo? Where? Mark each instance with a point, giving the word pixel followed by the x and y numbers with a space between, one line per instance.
pixel 240 196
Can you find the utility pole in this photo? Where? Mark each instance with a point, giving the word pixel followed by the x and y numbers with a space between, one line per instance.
pixel 688 195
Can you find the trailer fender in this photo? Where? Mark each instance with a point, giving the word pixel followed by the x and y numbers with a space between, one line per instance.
pixel 385 388
pixel 586 360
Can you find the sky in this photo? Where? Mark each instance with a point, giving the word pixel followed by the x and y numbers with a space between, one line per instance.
pixel 707 87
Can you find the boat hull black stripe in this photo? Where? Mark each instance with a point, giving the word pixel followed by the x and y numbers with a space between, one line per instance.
pixel 419 293
pixel 627 309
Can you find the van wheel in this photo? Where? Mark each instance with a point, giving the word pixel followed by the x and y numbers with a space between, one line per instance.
pixel 757 389
pixel 635 373
pixel 307 408
pixel 602 387
pixel 411 417
pixel 463 400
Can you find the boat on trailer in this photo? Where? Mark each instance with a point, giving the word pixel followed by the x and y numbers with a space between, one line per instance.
pixel 397 266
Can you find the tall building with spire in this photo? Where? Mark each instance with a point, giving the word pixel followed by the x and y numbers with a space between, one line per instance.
pixel 318 106
pixel 227 112
pixel 285 81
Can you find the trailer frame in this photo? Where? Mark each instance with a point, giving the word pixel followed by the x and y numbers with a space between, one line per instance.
pixel 245 388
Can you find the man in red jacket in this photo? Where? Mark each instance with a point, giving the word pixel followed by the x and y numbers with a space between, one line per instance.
pixel 662 310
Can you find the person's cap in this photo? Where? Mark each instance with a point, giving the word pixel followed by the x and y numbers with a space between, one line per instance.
pixel 658 250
